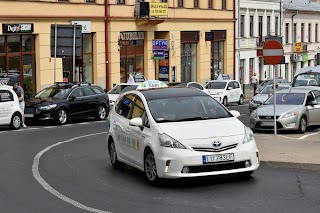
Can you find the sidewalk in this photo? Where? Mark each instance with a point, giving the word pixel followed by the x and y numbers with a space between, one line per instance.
pixel 248 94
pixel 279 151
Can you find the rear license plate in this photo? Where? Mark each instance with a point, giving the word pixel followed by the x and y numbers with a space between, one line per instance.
pixel 217 158
pixel 267 123
pixel 29 115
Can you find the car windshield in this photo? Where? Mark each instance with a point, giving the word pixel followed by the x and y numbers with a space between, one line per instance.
pixel 186 109
pixel 122 88
pixel 216 85
pixel 306 79
pixel 287 99
pixel 53 92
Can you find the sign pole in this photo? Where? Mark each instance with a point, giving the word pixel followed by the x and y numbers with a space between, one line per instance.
pixel 74 52
pixel 55 52
pixel 274 101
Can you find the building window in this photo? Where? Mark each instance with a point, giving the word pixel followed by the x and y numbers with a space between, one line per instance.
pixel 242 25
pixel 287 33
pixel 224 5
pixel 121 1
pixel 17 61
pixel 260 26
pixel 251 68
pixel 180 3
pixel 164 1
pixel 316 36
pixel 196 3
pixel 302 32
pixel 277 26
pixel 251 26
pixel 188 62
pixel 294 32
pixel 210 3
pixel 90 1
pixel 309 33
pixel 268 25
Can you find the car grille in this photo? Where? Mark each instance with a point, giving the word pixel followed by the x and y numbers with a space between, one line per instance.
pixel 256 102
pixel 199 149
pixel 217 167
pixel 258 125
pixel 268 117
pixel 30 110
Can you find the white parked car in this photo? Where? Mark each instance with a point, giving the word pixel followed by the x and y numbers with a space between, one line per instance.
pixel 189 84
pixel 179 132
pixel 225 91
pixel 118 89
pixel 10 112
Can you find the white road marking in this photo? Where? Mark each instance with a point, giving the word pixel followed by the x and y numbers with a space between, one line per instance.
pixel 46 186
pixel 287 137
pixel 33 128
pixel 84 123
pixel 69 125
pixel 49 127
pixel 305 136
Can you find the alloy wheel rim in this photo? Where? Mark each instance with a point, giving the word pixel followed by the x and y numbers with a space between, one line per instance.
pixel 62 116
pixel 241 100
pixel 102 112
pixel 150 167
pixel 16 121
pixel 303 124
pixel 112 153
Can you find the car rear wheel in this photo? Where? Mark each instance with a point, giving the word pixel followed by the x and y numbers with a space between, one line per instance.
pixel 240 100
pixel 225 101
pixel 150 168
pixel 113 156
pixel 101 113
pixel 62 116
pixel 302 125
pixel 16 121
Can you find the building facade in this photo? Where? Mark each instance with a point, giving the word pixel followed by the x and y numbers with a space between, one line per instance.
pixel 198 38
pixel 26 54
pixel 258 19
pixel 301 35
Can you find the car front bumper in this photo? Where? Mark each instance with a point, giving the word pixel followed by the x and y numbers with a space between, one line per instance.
pixel 253 106
pixel 41 115
pixel 182 158
pixel 291 123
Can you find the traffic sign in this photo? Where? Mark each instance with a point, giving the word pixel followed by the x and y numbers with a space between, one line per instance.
pixel 272 52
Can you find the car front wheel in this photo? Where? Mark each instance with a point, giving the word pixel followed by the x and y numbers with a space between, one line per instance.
pixel 62 116
pixel 225 101
pixel 113 156
pixel 16 121
pixel 102 113
pixel 240 100
pixel 150 168
pixel 302 125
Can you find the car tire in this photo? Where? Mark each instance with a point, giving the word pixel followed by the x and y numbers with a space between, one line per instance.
pixel 150 168
pixel 113 156
pixel 240 100
pixel 16 121
pixel 225 101
pixel 62 116
pixel 302 125
pixel 101 113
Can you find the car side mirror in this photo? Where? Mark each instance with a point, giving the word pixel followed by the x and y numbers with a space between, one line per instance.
pixel 313 102
pixel 230 88
pixel 72 98
pixel 235 113
pixel 136 122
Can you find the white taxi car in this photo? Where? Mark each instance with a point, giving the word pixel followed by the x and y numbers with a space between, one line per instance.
pixel 114 92
pixel 179 132
pixel 10 112
pixel 225 91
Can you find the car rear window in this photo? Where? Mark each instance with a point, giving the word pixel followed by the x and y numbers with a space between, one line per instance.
pixel 98 90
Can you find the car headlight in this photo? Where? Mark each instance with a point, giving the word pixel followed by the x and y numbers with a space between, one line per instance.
pixel 167 141
pixel 290 114
pixel 254 114
pixel 248 135
pixel 251 101
pixel 48 107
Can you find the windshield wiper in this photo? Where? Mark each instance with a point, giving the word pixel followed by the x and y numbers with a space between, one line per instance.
pixel 165 121
pixel 194 118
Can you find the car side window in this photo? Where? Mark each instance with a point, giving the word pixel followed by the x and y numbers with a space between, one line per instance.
pixel 97 90
pixel 140 111
pixel 88 91
pixel 317 95
pixel 236 85
pixel 77 93
pixel 125 105
pixel 5 96
pixel 230 84
pixel 194 85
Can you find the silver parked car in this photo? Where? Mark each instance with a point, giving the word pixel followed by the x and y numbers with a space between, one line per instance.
pixel 260 98
pixel 296 109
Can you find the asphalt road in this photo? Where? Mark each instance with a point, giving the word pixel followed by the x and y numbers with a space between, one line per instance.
pixel 66 169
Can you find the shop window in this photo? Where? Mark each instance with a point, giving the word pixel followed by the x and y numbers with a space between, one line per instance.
pixel 2 44
pixel 27 43
pixel 188 62
pixel 13 44
pixel 217 61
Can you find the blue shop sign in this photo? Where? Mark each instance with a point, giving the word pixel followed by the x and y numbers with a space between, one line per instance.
pixel 158 44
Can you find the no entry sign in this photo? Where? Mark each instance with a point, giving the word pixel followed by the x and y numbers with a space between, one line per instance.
pixel 272 52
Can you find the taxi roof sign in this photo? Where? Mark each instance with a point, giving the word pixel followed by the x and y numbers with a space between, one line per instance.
pixel 151 84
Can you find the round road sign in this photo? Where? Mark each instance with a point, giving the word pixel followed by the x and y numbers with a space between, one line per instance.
pixel 272 52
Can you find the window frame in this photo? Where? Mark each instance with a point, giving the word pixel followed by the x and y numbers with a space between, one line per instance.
pixel 180 3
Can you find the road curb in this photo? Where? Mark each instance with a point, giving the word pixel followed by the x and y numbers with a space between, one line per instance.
pixel 277 164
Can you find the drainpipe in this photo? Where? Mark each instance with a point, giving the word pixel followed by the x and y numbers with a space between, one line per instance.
pixel 106 29
pixel 292 37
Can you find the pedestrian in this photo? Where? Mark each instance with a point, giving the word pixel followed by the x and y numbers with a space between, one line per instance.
pixel 254 82
pixel 20 93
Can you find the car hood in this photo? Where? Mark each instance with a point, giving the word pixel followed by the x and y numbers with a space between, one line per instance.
pixel 215 91
pixel 39 101
pixel 260 97
pixel 224 127
pixel 267 110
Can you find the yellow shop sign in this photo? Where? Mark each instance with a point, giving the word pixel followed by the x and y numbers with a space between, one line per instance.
pixel 158 9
